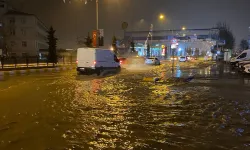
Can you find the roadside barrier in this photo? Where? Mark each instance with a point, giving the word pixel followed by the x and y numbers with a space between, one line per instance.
pixel 29 71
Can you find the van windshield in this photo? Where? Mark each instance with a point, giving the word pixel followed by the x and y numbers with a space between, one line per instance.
pixel 243 55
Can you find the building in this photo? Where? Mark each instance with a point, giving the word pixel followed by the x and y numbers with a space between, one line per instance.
pixel 190 42
pixel 3 9
pixel 24 34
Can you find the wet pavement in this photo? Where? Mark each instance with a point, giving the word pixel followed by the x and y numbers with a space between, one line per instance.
pixel 62 111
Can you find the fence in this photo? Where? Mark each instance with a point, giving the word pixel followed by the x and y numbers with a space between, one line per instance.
pixel 28 62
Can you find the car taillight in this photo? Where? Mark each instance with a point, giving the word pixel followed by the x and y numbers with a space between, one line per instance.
pixel 94 62
pixel 120 61
pixel 76 61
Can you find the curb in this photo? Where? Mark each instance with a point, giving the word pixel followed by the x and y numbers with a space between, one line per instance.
pixel 28 71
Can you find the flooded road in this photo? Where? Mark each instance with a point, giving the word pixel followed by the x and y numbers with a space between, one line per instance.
pixel 63 112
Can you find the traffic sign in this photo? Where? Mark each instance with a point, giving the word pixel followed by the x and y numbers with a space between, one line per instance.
pixel 174 41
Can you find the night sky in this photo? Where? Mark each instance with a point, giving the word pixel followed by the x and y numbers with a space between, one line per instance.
pixel 76 19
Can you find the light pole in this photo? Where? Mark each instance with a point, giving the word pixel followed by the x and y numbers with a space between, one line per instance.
pixel 97 14
pixel 97 11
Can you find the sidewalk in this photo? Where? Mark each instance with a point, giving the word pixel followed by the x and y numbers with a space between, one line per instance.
pixel 42 69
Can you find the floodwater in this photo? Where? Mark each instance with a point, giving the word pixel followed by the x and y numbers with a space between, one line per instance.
pixel 63 112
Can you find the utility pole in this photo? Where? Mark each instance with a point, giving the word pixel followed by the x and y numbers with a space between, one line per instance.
pixel 97 14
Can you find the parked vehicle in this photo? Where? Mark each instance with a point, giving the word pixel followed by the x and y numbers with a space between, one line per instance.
pixel 242 63
pixel 183 59
pixel 93 60
pixel 246 68
pixel 152 61
pixel 244 56
pixel 173 58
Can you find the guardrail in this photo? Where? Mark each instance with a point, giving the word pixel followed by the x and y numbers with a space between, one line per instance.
pixel 32 62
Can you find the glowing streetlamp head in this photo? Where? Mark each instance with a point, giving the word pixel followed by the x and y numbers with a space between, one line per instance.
pixel 183 28
pixel 161 16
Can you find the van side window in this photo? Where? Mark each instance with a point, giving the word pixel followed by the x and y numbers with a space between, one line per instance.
pixel 242 56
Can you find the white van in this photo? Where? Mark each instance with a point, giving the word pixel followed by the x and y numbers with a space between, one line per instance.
pixel 94 60
pixel 245 55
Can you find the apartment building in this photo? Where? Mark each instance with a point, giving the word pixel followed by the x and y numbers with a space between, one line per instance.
pixel 3 9
pixel 24 34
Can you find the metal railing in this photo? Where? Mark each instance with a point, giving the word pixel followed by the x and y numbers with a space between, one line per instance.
pixel 33 62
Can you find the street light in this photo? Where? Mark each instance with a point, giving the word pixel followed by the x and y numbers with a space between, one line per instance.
pixel 161 16
pixel 183 28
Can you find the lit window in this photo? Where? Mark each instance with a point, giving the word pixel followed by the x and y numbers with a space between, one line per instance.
pixel 24 44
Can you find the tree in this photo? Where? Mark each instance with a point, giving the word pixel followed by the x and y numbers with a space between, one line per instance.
pixel 132 46
pixel 226 34
pixel 244 44
pixel 114 46
pixel 52 41
pixel 148 50
pixel 88 41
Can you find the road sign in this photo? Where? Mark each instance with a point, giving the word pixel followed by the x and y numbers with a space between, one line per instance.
pixel 101 32
pixel 174 41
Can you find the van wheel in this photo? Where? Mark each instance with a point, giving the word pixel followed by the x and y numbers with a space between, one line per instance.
pixel 99 71
pixel 119 68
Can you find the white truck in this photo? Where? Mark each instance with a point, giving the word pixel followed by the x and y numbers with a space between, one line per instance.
pixel 94 60
pixel 244 56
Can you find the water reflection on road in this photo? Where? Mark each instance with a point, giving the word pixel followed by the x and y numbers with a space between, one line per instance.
pixel 62 111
